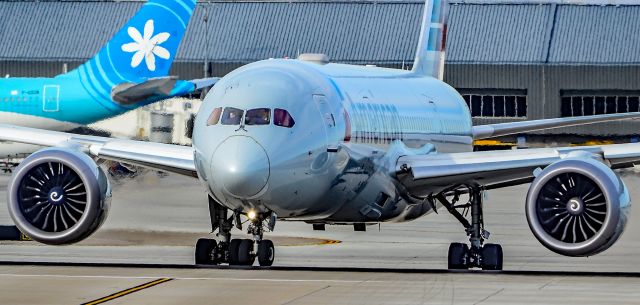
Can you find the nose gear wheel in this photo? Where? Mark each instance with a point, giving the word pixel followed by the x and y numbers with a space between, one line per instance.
pixel 240 252
pixel 266 253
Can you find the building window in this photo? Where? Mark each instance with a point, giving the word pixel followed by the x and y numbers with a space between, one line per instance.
pixel 590 102
pixel 496 103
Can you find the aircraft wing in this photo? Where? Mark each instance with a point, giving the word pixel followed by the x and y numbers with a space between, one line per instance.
pixel 502 129
pixel 424 174
pixel 165 157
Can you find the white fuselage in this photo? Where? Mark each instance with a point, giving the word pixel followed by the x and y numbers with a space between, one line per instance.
pixel 336 163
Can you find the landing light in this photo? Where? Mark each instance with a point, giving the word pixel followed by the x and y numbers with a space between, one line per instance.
pixel 252 214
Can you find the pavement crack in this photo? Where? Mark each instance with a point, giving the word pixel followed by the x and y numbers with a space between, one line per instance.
pixel 545 285
pixel 306 295
pixel 489 296
pixel 548 284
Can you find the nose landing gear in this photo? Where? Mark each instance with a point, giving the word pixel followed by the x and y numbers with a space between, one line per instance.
pixel 266 250
pixel 477 254
pixel 239 252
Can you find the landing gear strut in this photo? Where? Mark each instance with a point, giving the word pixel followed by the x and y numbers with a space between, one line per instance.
pixel 476 254
pixel 241 252
pixel 266 250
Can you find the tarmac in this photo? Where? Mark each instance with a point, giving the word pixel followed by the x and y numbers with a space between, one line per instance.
pixel 143 254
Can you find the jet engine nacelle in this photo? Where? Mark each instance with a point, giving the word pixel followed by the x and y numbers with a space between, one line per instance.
pixel 58 196
pixel 577 207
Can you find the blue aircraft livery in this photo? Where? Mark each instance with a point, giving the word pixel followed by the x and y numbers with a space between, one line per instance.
pixel 130 71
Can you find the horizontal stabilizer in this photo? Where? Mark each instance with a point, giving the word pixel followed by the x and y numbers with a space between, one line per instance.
pixel 158 88
pixel 503 129
pixel 130 93
pixel 204 82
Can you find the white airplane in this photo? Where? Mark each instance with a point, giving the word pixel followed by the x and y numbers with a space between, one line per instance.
pixel 307 140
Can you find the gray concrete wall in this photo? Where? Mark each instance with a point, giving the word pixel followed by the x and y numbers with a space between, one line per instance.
pixel 544 84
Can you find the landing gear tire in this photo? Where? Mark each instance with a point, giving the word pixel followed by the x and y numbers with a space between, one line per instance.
pixel 246 256
pixel 458 257
pixel 266 253
pixel 491 257
pixel 205 252
pixel 477 254
pixel 234 252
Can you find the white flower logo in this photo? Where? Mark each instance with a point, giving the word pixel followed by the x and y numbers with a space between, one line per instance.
pixel 146 46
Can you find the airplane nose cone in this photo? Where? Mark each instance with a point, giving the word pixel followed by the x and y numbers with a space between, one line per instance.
pixel 241 166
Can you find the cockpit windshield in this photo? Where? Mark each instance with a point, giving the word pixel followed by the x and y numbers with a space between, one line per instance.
pixel 260 116
pixel 214 118
pixel 232 116
pixel 282 118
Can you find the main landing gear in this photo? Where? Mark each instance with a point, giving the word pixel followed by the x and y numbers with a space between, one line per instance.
pixel 240 252
pixel 477 254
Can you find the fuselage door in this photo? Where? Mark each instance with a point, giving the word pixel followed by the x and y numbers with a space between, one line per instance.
pixel 51 98
pixel 327 117
pixel 325 110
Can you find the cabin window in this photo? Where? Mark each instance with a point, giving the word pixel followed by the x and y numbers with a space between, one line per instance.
pixel 260 116
pixel 282 118
pixel 214 118
pixel 590 102
pixel 232 116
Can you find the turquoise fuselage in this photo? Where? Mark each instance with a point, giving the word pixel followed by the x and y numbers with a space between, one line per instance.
pixel 141 51
pixel 66 98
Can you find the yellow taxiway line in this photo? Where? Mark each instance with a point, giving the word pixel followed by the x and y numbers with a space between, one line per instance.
pixel 128 291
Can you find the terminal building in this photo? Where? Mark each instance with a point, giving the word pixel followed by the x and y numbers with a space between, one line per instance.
pixel 511 60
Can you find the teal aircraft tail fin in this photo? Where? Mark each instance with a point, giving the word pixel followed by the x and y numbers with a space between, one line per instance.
pixel 143 48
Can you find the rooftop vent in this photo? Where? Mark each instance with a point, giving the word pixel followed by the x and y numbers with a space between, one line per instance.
pixel 321 59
